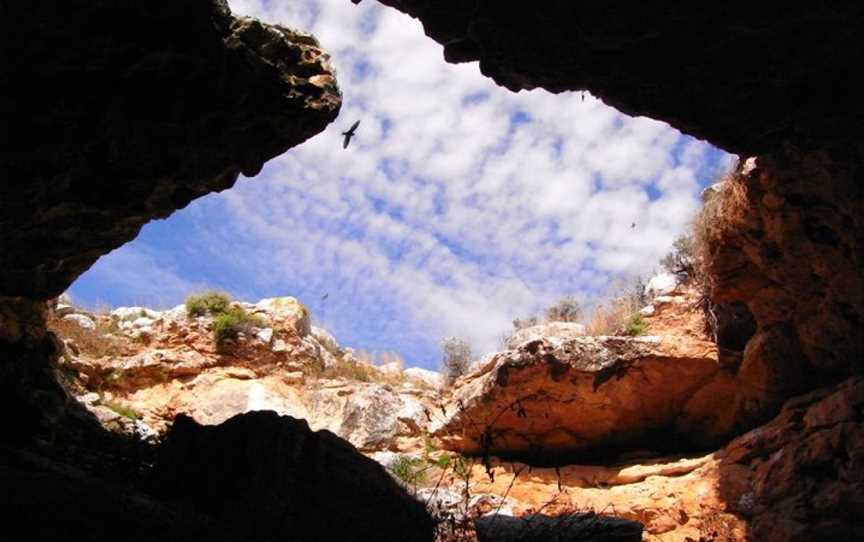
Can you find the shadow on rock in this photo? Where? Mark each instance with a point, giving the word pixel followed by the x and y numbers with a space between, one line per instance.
pixel 269 477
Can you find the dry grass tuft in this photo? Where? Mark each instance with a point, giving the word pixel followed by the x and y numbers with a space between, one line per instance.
pixel 615 317
pixel 94 343
pixel 360 367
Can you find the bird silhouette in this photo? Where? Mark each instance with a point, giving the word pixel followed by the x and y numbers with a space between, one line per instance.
pixel 349 134
pixel 325 296
pixel 633 225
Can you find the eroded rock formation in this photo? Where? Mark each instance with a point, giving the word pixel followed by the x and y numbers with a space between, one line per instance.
pixel 793 478
pixel 547 401
pixel 754 80
pixel 787 242
pixel 166 363
pixel 560 397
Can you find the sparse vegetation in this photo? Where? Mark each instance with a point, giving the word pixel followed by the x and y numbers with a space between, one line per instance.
pixel 349 368
pixel 635 326
pixel 680 260
pixel 95 343
pixel 411 471
pixel 620 316
pixel 567 309
pixel 457 358
pixel 232 321
pixel 725 211
pixel 123 410
pixel 211 302
pixel 522 323
pixel 361 367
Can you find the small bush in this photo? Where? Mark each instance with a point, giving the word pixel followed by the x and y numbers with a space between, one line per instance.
pixel 125 411
pixel 231 322
pixel 457 357
pixel 411 471
pixel 680 260
pixel 566 310
pixel 636 325
pixel 522 323
pixel 208 303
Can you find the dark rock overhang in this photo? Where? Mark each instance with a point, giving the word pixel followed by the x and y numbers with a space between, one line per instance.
pixel 114 113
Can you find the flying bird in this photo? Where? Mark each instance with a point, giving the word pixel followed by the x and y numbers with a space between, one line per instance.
pixel 325 296
pixel 349 134
pixel 633 225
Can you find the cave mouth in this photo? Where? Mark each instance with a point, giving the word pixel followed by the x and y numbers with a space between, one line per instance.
pixel 775 259
pixel 452 212
pixel 417 230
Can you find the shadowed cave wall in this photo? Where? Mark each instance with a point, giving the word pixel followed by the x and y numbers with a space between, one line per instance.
pixel 115 113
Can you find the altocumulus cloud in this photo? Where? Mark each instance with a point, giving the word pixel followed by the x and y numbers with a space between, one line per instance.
pixel 457 207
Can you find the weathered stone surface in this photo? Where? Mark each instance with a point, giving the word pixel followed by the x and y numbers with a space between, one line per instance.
pixel 551 331
pixel 286 311
pixel 106 125
pixel 552 400
pixel 798 263
pixel 433 379
pixel 799 476
pixel 325 339
pixel 133 313
pixel 745 77
pixel 370 416
pixel 793 478
pixel 285 482
pixel 662 284
pixel 81 320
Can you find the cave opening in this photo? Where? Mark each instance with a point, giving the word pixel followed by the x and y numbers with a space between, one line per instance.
pixel 458 210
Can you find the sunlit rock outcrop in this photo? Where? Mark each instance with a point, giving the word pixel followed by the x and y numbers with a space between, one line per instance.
pixel 158 364
pixel 553 401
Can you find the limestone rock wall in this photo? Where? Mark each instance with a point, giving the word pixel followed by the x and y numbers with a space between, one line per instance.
pixel 790 244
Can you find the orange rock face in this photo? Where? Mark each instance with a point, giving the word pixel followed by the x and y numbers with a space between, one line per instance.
pixel 559 399
pixel 548 399
pixel 797 477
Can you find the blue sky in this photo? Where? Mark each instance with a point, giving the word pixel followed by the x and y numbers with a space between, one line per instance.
pixel 457 207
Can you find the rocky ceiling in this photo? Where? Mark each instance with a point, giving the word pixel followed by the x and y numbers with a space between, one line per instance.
pixel 118 112
pixel 744 76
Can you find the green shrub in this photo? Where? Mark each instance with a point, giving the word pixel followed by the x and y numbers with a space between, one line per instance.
pixel 636 325
pixel 125 411
pixel 443 462
pixel 231 322
pixel 408 470
pixel 211 302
